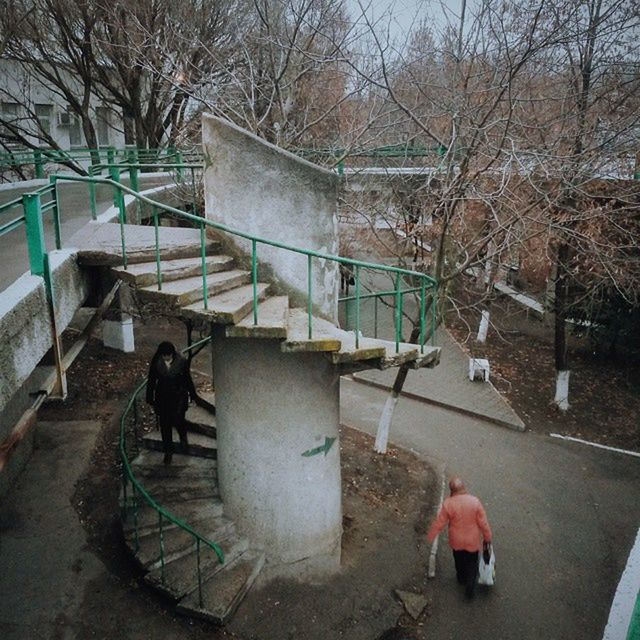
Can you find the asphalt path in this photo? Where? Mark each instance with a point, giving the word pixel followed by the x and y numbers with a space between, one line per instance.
pixel 564 517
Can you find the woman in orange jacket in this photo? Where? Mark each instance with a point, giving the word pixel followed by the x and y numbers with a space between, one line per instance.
pixel 469 532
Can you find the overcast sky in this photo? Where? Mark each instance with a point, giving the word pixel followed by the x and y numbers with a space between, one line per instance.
pixel 404 12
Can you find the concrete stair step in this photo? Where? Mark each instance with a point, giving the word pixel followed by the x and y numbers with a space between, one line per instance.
pixel 145 274
pixel 200 419
pixel 181 576
pixel 189 290
pixel 228 307
pixel 273 314
pixel 341 345
pixel 222 593
pixel 178 489
pixel 325 336
pixel 189 511
pixel 100 244
pixel 200 445
pixel 177 542
pixel 148 464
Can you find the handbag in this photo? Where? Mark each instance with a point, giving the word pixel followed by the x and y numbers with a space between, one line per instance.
pixel 487 569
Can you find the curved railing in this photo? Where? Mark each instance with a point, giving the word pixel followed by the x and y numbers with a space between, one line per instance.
pixel 34 205
pixel 74 158
pixel 137 491
pixel 418 281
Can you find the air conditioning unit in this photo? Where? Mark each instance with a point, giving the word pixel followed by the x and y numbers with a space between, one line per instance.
pixel 65 119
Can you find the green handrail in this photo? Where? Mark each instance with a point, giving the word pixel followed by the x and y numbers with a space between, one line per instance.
pixel 138 488
pixel 201 222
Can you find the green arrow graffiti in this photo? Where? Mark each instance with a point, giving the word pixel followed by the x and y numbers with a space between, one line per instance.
pixel 323 448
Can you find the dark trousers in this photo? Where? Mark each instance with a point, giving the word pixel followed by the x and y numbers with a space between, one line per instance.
pixel 167 421
pixel 467 569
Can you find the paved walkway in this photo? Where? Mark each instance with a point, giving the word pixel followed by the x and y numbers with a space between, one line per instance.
pixel 448 385
pixel 564 519
pixel 74 207
pixel 44 562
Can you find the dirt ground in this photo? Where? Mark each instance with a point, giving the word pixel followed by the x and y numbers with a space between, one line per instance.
pixel 604 394
pixel 387 502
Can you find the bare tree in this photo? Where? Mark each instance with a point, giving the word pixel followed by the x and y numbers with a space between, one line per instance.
pixel 456 91
pixel 587 131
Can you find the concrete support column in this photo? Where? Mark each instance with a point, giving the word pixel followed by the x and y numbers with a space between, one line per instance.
pixel 117 326
pixel 279 454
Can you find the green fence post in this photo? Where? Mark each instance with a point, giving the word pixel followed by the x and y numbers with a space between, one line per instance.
pixel 114 174
pixel 92 200
pixel 422 314
pixel 357 273
pixel 203 258
pixel 56 211
pixel 37 157
pixel 122 218
pixel 398 313
pixel 434 315
pixel 32 206
pixel 309 297
pixel 254 279
pixel 154 213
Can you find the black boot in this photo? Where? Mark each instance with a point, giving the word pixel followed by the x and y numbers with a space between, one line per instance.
pixel 184 444
pixel 167 458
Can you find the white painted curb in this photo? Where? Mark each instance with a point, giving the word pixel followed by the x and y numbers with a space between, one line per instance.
pixel 624 601
pixel 595 444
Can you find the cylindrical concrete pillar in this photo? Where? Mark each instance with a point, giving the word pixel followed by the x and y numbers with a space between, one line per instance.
pixel 278 453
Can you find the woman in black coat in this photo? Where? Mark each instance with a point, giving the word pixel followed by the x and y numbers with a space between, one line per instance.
pixel 169 388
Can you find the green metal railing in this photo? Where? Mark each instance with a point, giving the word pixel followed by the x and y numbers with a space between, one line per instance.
pixel 29 211
pixel 398 309
pixel 134 492
pixel 39 158
pixel 425 282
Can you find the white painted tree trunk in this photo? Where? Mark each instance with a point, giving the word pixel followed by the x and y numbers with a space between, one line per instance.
pixel 484 327
pixel 562 390
pixel 382 436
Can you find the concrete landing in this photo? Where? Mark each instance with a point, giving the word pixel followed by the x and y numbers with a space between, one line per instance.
pixel 101 243
pixel 449 386
pixel 44 561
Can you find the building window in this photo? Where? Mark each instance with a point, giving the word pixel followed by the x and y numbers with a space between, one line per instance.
pixel 43 114
pixel 9 113
pixel 102 121
pixel 75 132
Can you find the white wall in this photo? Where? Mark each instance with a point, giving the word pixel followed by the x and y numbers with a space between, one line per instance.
pixel 257 188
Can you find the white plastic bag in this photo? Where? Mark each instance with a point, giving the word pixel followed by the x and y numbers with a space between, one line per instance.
pixel 487 570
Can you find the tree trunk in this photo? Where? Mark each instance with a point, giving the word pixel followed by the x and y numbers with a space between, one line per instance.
pixel 484 326
pixel 560 337
pixel 384 424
